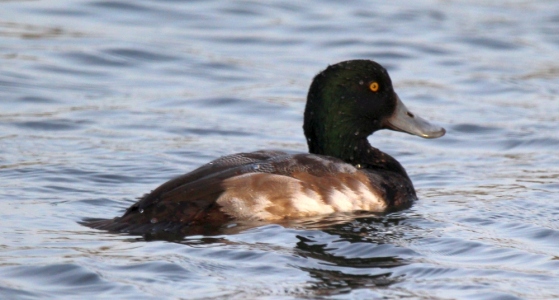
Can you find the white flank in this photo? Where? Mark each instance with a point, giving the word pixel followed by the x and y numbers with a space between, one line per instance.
pixel 248 197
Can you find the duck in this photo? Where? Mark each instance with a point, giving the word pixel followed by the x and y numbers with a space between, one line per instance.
pixel 346 103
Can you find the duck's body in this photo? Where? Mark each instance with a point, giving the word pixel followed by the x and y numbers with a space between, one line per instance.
pixel 346 103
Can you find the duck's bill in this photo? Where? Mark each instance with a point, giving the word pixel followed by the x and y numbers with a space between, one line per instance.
pixel 405 121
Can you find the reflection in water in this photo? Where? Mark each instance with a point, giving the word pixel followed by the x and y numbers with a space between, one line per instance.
pixel 343 251
pixel 348 260
pixel 332 282
pixel 340 252
pixel 339 274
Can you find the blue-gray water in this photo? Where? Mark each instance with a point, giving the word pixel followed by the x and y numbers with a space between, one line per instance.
pixel 102 101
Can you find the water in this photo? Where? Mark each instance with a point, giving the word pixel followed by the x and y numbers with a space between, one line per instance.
pixel 102 101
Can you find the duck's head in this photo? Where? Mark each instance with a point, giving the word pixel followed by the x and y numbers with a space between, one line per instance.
pixel 349 101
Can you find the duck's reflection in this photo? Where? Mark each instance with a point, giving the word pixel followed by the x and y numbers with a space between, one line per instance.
pixel 330 282
pixel 342 265
pixel 342 252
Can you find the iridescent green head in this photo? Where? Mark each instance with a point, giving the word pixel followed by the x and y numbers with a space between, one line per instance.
pixel 349 101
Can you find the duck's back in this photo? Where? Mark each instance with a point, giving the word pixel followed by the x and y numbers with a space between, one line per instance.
pixel 262 185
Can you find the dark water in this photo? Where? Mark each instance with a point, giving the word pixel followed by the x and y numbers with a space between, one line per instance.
pixel 101 101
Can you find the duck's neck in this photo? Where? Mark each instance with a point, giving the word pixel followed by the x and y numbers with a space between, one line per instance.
pixel 355 150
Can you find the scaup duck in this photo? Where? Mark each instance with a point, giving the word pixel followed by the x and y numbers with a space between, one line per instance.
pixel 342 172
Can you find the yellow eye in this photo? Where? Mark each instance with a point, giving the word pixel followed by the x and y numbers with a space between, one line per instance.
pixel 374 86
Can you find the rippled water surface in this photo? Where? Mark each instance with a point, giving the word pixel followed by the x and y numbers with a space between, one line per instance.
pixel 102 101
